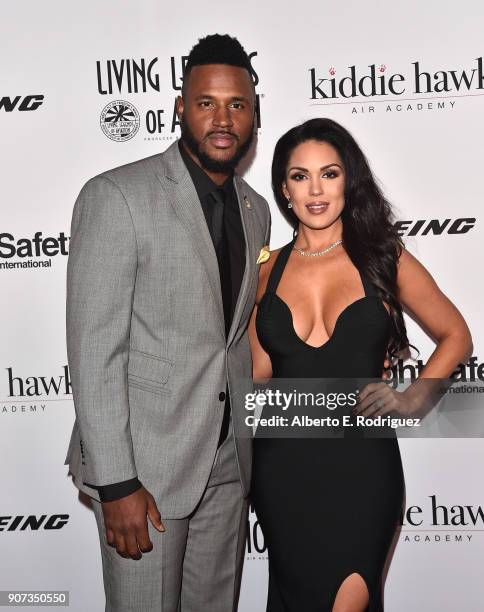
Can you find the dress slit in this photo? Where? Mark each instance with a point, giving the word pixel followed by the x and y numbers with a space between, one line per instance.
pixel 374 601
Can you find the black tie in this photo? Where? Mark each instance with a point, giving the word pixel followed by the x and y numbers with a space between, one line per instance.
pixel 219 237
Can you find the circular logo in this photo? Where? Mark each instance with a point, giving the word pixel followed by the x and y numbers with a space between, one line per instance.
pixel 120 120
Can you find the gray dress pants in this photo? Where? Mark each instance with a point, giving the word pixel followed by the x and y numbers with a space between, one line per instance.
pixel 196 564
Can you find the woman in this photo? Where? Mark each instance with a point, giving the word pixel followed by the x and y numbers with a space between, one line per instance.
pixel 329 304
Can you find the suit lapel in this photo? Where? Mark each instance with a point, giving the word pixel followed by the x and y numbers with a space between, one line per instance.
pixel 183 197
pixel 247 217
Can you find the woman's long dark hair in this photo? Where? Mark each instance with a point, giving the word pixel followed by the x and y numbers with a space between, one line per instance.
pixel 369 236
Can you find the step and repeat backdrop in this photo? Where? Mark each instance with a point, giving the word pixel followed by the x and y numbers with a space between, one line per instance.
pixel 407 79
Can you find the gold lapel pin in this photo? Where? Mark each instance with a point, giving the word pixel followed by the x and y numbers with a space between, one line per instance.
pixel 247 202
pixel 264 254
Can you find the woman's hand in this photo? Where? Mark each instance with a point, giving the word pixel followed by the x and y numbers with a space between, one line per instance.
pixel 377 399
pixel 386 368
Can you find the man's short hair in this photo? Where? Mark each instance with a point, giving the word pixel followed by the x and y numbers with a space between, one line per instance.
pixel 217 49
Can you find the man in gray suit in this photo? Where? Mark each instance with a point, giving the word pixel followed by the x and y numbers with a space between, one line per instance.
pixel 161 281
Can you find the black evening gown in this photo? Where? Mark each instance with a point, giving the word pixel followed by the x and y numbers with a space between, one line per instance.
pixel 328 507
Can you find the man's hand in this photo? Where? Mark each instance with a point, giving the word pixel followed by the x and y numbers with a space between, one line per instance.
pixel 126 524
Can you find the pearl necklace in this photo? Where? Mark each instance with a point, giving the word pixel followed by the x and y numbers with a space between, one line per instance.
pixel 317 253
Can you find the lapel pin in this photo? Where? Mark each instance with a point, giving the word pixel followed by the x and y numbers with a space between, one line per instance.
pixel 264 254
pixel 247 202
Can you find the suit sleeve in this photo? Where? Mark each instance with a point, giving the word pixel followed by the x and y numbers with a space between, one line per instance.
pixel 101 274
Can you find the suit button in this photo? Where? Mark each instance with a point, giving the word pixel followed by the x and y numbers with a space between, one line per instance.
pixel 221 396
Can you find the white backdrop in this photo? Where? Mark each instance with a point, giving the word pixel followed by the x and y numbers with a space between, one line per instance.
pixel 424 142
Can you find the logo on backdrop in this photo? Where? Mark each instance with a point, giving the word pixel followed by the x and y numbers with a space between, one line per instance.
pixel 435 227
pixel 255 546
pixel 21 103
pixel 33 522
pixel 120 119
pixel 377 87
pixel 26 253
pixel 472 371
pixel 31 394
pixel 127 76
pixel 439 522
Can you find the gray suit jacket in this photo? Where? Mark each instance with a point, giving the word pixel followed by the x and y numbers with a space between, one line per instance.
pixel 145 331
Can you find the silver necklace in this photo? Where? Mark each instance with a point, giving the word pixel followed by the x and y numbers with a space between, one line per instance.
pixel 317 253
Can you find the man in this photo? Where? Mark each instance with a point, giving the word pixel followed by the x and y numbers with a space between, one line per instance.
pixel 161 281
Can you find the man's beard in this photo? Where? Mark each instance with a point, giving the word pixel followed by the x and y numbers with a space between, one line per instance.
pixel 209 163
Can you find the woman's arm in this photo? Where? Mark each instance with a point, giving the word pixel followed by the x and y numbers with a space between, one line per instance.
pixel 442 321
pixel 437 315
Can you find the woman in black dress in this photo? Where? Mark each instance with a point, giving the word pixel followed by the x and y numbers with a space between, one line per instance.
pixel 329 304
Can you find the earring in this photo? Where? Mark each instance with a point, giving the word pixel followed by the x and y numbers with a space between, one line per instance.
pixel 289 204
